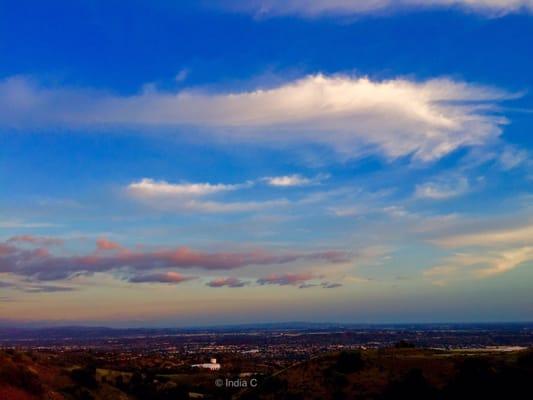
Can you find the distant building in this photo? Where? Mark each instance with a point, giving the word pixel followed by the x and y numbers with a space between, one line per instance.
pixel 212 365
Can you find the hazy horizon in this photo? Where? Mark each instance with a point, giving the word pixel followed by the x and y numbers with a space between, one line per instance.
pixel 40 325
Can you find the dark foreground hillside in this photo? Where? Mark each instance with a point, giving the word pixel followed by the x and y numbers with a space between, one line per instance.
pixel 405 374
pixel 394 373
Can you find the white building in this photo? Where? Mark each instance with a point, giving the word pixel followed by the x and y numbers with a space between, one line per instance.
pixel 212 365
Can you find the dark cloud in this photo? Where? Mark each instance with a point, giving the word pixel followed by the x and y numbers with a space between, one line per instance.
pixel 308 285
pixel 160 277
pixel 286 279
pixel 229 282
pixel 323 285
pixel 46 289
pixel 330 285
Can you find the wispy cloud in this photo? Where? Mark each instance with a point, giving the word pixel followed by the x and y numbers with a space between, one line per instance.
pixel 150 188
pixel 443 188
pixel 353 115
pixel 316 8
pixel 483 253
pixel 194 197
pixel 489 238
pixel 512 157
pixel 507 260
pixel 31 287
pixel 303 280
pixel 479 265
pixel 19 224
pixel 182 75
pixel 47 288
pixel 213 207
pixel 36 240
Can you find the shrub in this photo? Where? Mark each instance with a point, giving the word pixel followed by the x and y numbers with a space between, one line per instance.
pixel 349 361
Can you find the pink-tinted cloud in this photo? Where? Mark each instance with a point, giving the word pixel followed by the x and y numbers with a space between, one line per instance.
pixel 41 264
pixel 36 240
pixel 104 244
pixel 161 277
pixel 6 249
pixel 286 279
pixel 229 282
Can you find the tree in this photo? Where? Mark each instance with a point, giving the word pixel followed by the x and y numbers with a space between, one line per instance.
pixel 413 386
pixel 85 376
pixel 349 361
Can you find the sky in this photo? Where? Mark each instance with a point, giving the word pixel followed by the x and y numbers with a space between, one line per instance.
pixel 212 162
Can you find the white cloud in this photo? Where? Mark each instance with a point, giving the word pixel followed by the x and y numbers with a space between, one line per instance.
pixel 313 8
pixel 150 188
pixel 395 118
pixel 512 157
pixel 293 180
pixel 507 260
pixel 442 189
pixel 288 180
pixel 194 197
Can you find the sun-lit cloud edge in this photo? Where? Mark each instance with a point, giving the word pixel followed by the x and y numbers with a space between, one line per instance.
pixel 353 115
pixel 483 254
pixel 197 197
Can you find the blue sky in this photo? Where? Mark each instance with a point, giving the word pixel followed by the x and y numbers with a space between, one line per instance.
pixel 214 162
